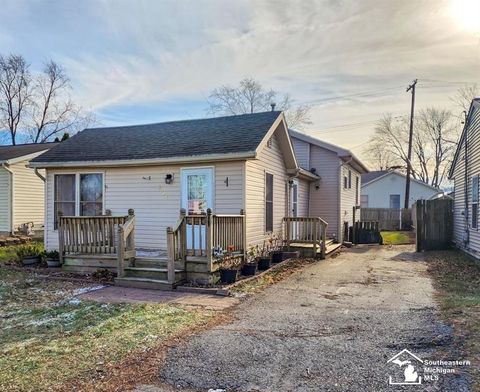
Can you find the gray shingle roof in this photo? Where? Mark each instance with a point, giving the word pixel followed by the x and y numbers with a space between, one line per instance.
pixel 220 135
pixel 12 152
pixel 367 177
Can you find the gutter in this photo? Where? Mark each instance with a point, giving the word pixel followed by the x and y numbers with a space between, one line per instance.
pixel 12 200
pixel 146 162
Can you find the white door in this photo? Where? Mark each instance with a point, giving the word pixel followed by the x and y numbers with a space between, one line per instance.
pixel 294 206
pixel 197 196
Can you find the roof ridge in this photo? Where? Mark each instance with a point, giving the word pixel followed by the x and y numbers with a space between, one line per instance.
pixel 184 121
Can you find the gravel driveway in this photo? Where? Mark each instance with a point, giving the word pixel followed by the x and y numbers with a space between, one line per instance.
pixel 330 327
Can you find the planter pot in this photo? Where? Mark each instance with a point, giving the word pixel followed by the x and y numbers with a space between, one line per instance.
pixel 249 269
pixel 228 275
pixel 290 255
pixel 53 263
pixel 30 260
pixel 264 263
pixel 277 257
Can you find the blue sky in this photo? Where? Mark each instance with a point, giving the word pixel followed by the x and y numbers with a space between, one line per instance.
pixel 149 61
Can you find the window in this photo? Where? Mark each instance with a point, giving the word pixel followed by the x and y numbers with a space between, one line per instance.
pixel 78 195
pixel 474 202
pixel 268 202
pixel 395 201
pixel 345 182
pixel 357 188
pixel 64 200
pixel 364 201
pixel 349 179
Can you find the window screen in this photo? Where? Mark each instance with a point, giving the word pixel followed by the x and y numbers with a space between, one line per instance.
pixel 268 202
pixel 91 194
pixel 64 200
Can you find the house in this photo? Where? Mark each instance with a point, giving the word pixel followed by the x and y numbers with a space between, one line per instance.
pixel 465 172
pixel 21 188
pixel 189 186
pixel 386 189
pixel 336 194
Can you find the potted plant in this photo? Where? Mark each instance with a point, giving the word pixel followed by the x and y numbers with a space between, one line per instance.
pixel 229 264
pixel 250 267
pixel 29 254
pixel 276 248
pixel 264 258
pixel 53 259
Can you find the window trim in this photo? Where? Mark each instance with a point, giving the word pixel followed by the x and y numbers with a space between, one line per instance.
pixel 474 222
pixel 269 201
pixel 77 191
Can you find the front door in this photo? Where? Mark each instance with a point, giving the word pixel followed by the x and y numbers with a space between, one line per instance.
pixel 197 196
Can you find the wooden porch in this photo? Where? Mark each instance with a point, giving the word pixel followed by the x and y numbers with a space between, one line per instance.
pixel 89 243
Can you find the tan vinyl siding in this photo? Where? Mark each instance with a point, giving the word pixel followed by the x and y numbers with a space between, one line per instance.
pixel 29 197
pixel 460 225
pixel 270 160
pixel 4 200
pixel 303 196
pixel 324 201
pixel 156 204
pixel 302 152
pixel 347 198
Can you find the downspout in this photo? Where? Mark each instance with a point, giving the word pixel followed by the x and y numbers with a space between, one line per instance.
pixel 10 172
pixel 37 173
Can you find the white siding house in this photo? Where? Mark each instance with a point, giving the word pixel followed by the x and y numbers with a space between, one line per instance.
pixel 386 189
pixel 337 192
pixel 465 172
pixel 22 195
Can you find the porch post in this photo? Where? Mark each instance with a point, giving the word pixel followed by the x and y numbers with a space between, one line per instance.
pixel 171 256
pixel 61 239
pixel 209 234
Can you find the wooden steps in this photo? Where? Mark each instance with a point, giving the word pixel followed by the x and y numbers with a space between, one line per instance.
pixel 144 283
pixel 306 250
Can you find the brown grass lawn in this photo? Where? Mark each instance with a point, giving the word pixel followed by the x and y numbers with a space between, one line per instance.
pixel 457 280
pixel 50 340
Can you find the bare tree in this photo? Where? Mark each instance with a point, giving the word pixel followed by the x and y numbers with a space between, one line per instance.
pixel 52 111
pixel 251 97
pixel 464 96
pixel 15 93
pixel 37 106
pixel 379 158
pixel 434 144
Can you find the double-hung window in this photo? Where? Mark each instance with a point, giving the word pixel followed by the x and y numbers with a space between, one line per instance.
pixel 474 202
pixel 268 202
pixel 79 194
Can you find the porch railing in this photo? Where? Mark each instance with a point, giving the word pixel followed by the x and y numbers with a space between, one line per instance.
pixel 198 235
pixel 126 242
pixel 306 230
pixel 88 234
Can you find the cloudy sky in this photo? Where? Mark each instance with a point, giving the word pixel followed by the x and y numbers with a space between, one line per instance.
pixel 157 60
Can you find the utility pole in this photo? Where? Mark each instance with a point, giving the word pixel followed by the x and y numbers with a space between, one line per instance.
pixel 410 137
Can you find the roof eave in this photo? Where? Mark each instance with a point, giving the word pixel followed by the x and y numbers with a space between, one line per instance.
pixel 145 162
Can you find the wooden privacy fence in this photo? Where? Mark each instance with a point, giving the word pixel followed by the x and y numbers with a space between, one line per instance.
pixel 365 233
pixel 306 230
pixel 433 224
pixel 391 219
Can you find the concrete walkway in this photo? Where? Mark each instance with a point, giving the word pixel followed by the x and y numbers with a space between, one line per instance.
pixel 330 327
pixel 114 294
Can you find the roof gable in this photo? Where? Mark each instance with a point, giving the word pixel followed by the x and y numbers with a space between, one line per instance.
pixel 395 173
pixel 7 153
pixel 220 136
pixel 474 109
pixel 346 155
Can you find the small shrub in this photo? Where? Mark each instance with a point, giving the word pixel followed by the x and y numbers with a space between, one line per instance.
pixel 29 251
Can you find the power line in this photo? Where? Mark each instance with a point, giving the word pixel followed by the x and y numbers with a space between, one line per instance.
pixel 354 95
